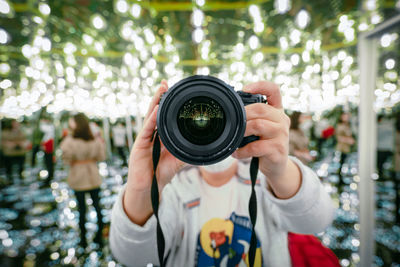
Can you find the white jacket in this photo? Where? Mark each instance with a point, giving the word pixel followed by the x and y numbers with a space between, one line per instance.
pixel 187 237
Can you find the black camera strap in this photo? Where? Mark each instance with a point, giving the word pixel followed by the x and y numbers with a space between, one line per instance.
pixel 253 210
pixel 155 201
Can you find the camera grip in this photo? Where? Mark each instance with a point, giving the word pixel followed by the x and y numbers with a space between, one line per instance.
pixel 248 139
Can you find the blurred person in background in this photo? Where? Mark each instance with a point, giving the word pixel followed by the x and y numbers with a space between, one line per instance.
pixel 81 151
pixel 119 141
pixel 37 136
pixel 345 141
pixel 96 130
pixel 298 141
pixel 322 132
pixel 397 166
pixel 306 123
pixel 14 146
pixel 134 128
pixel 48 129
pixel 385 136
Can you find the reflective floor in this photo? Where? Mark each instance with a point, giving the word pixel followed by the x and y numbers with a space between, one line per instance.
pixel 39 225
pixel 343 236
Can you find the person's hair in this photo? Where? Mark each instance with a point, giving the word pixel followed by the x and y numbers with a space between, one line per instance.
pixel 295 120
pixel 6 124
pixel 82 129
pixel 340 117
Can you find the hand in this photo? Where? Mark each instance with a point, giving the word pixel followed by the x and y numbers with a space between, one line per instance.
pixel 141 163
pixel 271 124
pixel 350 140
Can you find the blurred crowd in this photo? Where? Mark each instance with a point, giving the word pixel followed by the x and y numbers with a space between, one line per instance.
pixel 23 139
pixel 311 138
pixel 33 142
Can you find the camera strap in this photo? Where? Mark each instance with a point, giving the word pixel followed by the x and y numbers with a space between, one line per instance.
pixel 253 210
pixel 155 201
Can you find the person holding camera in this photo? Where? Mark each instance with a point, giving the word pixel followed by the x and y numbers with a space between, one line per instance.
pixel 204 209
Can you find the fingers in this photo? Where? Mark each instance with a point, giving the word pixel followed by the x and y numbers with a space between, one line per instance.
pixel 156 98
pixel 144 138
pixel 264 129
pixel 268 89
pixel 270 148
pixel 263 111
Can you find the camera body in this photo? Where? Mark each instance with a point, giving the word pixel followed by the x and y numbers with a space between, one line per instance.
pixel 201 120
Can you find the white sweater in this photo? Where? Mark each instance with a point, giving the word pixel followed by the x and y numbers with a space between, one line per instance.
pixel 194 216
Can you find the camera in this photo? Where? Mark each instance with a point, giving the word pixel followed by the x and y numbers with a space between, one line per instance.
pixel 201 120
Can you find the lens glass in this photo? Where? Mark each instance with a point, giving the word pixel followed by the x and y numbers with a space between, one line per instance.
pixel 201 120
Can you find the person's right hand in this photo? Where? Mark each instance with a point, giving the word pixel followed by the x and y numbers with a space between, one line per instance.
pixel 141 162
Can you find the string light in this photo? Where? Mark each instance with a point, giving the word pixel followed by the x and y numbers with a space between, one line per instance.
pixel 198 35
pixel 3 36
pixel 253 42
pixel 282 6
pixel 200 2
pixel 197 18
pixel 44 9
pixel 302 19
pixel 98 22
pixel 122 6
pixel 147 44
pixel 136 10
pixel 256 16
pixel 386 40
pixel 389 63
pixel 4 7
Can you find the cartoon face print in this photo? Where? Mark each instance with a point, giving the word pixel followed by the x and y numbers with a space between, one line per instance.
pixel 219 238
pixel 226 243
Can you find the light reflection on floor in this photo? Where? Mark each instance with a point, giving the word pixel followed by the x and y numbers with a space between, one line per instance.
pixel 39 225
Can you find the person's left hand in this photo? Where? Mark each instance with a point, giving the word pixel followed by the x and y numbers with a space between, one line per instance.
pixel 271 124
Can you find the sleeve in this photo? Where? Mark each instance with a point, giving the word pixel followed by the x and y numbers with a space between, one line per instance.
pixel 310 210
pixel 21 137
pixel 339 131
pixel 135 245
pixel 341 134
pixel 67 153
pixel 4 140
pixel 101 153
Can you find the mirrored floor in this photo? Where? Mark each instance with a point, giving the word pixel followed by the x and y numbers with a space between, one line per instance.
pixel 39 224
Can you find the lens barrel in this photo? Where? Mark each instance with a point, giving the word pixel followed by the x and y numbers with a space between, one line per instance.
pixel 201 120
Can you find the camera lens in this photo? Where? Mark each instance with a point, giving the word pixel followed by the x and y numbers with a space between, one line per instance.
pixel 201 120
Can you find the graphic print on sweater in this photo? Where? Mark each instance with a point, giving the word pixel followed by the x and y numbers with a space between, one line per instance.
pixel 226 243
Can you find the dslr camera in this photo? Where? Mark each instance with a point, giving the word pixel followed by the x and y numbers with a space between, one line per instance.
pixel 201 120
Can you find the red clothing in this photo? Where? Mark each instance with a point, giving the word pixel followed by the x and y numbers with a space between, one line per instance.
pixel 48 146
pixel 307 251
pixel 328 132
